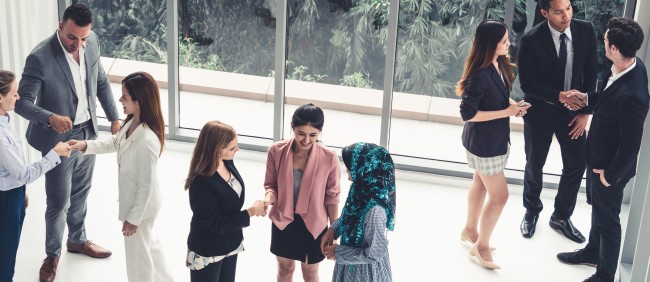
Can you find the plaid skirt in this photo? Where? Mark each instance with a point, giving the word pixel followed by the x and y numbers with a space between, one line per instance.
pixel 488 166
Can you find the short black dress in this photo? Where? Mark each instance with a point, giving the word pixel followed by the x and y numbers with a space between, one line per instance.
pixel 295 241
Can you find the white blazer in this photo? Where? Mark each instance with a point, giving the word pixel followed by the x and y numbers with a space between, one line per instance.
pixel 139 191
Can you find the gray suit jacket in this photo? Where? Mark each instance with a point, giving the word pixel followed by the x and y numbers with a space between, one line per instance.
pixel 47 87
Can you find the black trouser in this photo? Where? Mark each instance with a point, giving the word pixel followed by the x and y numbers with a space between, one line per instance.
pixel 538 137
pixel 221 271
pixel 605 234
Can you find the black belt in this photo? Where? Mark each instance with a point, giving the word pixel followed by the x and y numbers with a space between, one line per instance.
pixel 82 125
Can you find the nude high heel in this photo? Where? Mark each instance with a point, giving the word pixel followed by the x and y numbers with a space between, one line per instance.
pixel 473 251
pixel 467 241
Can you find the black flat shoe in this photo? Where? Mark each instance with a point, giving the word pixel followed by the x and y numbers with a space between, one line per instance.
pixel 567 229
pixel 578 257
pixel 528 224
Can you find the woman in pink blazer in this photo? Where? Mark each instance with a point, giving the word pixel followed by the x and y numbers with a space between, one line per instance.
pixel 302 184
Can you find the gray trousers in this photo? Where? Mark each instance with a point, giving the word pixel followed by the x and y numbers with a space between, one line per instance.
pixel 67 187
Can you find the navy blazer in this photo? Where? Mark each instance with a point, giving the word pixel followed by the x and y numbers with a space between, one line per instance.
pixel 217 218
pixel 485 91
pixel 614 138
pixel 539 70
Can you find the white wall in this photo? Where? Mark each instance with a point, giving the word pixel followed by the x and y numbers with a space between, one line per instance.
pixel 23 24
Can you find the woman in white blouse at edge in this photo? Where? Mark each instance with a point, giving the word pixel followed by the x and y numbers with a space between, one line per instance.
pixel 14 174
pixel 138 145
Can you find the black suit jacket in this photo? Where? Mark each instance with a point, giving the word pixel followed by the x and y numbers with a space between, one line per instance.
pixel 217 218
pixel 485 91
pixel 614 138
pixel 539 69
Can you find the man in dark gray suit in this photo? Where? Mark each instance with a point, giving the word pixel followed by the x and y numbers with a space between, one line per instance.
pixel 61 83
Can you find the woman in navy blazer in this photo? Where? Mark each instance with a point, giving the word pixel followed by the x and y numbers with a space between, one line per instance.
pixel 216 197
pixel 486 107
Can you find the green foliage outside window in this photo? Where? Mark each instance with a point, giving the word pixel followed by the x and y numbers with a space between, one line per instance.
pixel 357 80
pixel 331 41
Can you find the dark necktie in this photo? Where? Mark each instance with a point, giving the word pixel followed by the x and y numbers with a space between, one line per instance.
pixel 562 55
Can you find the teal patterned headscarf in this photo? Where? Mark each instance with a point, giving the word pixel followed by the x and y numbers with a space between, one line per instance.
pixel 373 183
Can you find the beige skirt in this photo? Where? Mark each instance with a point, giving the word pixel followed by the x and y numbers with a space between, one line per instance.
pixel 488 166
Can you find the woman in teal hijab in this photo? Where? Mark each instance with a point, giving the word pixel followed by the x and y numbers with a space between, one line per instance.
pixel 369 210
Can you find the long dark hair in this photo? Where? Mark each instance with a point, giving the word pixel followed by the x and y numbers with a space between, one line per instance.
pixel 488 35
pixel 213 138
pixel 144 89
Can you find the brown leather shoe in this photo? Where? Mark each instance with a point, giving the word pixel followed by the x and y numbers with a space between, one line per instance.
pixel 88 248
pixel 48 269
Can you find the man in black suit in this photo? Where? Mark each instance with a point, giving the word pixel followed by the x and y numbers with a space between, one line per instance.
pixel 539 18
pixel 614 139
pixel 555 56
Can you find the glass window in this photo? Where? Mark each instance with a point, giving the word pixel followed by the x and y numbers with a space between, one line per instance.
pixel 132 37
pixel 335 59
pixel 226 56
pixel 432 43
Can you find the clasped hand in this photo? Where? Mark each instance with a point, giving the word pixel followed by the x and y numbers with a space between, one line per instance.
pixel 257 209
pixel 60 124
pixel 62 149
pixel 79 145
pixel 518 109
pixel 573 99
pixel 327 244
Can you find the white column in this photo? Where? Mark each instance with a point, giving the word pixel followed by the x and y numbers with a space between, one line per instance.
pixel 636 248
pixel 23 24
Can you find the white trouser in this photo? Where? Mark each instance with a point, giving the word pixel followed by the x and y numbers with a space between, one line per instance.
pixel 145 261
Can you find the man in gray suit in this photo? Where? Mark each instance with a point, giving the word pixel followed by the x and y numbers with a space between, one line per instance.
pixel 61 83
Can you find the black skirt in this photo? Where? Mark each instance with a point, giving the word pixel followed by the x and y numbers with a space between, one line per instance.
pixel 296 242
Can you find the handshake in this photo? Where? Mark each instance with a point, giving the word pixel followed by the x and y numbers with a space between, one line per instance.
pixel 258 208
pixel 573 99
pixel 64 149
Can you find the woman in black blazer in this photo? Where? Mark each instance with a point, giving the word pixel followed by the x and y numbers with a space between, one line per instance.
pixel 486 107
pixel 216 197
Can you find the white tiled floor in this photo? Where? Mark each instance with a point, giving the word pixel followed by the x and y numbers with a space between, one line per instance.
pixel 424 246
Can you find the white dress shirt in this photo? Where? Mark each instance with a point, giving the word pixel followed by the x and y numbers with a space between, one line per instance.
pixel 14 172
pixel 616 76
pixel 79 76
pixel 568 69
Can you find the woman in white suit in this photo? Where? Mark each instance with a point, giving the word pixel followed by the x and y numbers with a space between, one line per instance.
pixel 138 145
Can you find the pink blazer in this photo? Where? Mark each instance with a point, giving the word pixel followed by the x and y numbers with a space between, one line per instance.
pixel 319 187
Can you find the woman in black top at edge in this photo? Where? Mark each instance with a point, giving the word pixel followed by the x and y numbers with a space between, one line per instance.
pixel 486 108
pixel 216 197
